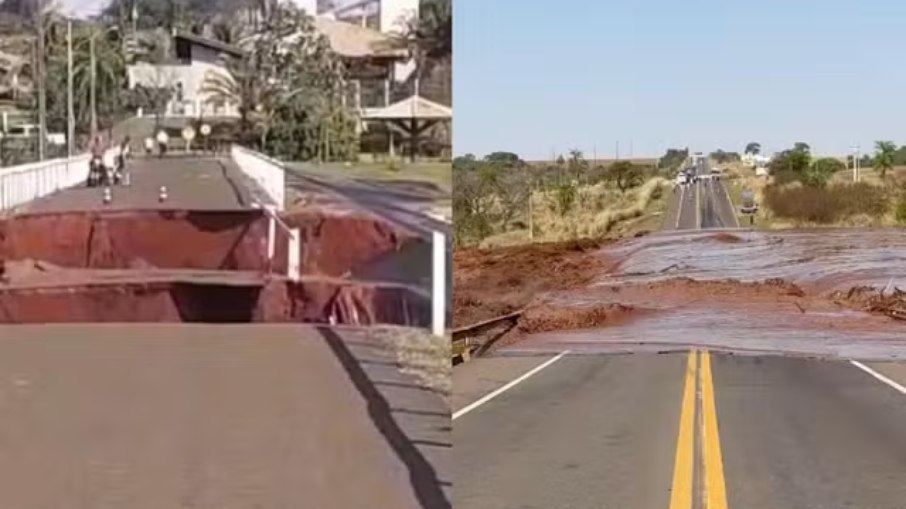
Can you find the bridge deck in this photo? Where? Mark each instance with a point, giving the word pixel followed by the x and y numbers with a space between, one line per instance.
pixel 192 183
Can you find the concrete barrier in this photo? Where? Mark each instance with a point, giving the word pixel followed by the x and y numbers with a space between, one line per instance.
pixel 268 173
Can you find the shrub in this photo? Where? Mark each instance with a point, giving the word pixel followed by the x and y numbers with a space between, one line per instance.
pixel 820 205
pixel 901 209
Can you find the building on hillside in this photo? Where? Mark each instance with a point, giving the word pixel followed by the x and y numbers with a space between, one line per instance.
pixel 755 160
pixel 15 77
pixel 192 58
pixel 385 16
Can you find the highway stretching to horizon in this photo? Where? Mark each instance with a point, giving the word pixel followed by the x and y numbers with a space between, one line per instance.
pixel 584 429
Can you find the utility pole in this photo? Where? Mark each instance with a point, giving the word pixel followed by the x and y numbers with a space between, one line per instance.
pixel 70 114
pixel 92 89
pixel 531 212
pixel 42 97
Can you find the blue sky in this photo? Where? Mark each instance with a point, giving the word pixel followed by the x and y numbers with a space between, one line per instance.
pixel 533 76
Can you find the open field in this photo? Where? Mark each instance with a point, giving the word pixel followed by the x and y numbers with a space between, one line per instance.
pixel 600 210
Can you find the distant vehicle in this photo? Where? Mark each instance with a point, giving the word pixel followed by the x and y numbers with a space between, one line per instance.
pixel 681 179
pixel 715 171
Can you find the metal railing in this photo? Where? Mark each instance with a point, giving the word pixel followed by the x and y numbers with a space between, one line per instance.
pixel 294 244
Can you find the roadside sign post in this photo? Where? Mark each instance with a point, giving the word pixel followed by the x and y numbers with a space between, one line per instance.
pixel 205 130
pixel 188 134
pixel 749 207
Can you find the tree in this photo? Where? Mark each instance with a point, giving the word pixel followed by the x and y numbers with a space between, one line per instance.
pixel 802 147
pixel 791 165
pixel 821 171
pixel 884 156
pixel 288 87
pixel 577 165
pixel 673 159
pixel 753 148
pixel 504 158
pixel 625 175
pixel 472 195
pixel 722 157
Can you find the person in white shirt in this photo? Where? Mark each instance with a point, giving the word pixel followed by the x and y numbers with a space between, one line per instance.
pixel 162 140
pixel 149 145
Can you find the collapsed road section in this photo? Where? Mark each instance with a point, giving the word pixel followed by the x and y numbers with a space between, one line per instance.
pixel 208 266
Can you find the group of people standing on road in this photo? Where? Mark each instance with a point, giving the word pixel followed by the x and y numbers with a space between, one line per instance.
pixel 162 139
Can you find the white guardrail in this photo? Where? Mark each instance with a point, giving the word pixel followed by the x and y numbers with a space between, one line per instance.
pixel 268 173
pixel 294 251
pixel 26 182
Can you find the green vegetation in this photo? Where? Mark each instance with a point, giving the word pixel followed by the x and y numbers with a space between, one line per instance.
pixel 900 213
pixel 885 151
pixel 290 89
pixel 827 205
pixel 722 157
pixel 673 159
pixel 500 199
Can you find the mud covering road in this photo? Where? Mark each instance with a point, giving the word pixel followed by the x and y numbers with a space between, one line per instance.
pixel 150 416
pixel 782 291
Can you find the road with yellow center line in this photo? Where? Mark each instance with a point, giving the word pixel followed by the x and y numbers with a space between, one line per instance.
pixel 681 431
pixel 714 494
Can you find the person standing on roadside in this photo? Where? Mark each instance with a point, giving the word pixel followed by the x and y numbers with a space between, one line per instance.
pixel 162 140
pixel 149 146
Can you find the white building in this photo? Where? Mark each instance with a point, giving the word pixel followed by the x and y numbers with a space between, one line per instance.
pixel 383 15
pixel 195 58
pixel 387 16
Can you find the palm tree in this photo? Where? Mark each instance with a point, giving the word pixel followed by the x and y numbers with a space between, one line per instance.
pixel 109 70
pixel 884 156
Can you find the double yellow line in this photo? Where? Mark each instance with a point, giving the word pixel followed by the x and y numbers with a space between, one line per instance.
pixel 714 490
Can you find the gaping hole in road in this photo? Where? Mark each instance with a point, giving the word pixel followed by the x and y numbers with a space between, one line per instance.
pixel 207 266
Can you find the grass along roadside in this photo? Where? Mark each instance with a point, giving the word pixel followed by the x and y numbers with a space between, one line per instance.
pixel 438 173
pixel 420 355
pixel 599 210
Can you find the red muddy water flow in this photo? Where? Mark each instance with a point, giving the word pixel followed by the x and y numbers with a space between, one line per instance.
pixel 812 292
pixel 208 266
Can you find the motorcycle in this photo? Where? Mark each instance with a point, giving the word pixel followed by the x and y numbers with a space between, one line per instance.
pixel 97 173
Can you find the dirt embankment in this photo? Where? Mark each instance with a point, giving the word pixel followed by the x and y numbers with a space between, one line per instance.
pixel 494 282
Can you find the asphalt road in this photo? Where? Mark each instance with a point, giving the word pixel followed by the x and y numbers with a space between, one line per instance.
pixel 702 205
pixel 198 183
pixel 403 204
pixel 204 416
pixel 656 431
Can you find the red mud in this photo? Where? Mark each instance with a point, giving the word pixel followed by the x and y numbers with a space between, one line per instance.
pixel 207 266
pixel 209 240
pixel 734 294
pixel 544 318
pixel 316 300
pixel 490 283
